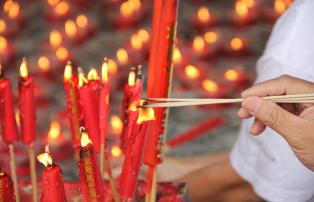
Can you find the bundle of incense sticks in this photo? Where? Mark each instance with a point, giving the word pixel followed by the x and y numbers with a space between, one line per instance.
pixel 180 102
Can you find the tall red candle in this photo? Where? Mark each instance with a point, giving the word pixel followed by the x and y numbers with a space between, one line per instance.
pixel 73 107
pixel 8 122
pixel 91 183
pixel 90 111
pixel 27 105
pixel 53 187
pixel 6 188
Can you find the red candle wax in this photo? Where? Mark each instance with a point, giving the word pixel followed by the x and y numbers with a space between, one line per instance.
pixel 8 122
pixel 90 111
pixel 27 105
pixel 91 183
pixel 71 92
pixel 6 188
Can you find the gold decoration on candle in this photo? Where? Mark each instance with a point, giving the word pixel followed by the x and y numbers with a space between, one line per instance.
pixel 210 86
pixel 45 158
pixel 191 72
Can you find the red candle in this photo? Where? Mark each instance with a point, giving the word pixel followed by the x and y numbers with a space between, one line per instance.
pixel 90 111
pixel 104 101
pixel 27 105
pixel 8 122
pixel 91 183
pixel 134 150
pixel 71 92
pixel 6 188
pixel 94 84
pixel 53 187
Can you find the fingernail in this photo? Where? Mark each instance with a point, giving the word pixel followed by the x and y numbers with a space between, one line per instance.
pixel 252 104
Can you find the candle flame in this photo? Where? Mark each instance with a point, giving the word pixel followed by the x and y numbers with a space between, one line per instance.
pixel 136 42
pixel 126 10
pixel 55 39
pixel 143 35
pixel 250 3
pixel 45 158
pixel 82 21
pixel 133 107
pixel 116 151
pixel 14 10
pixel 210 86
pixel 112 67
pixel 104 71
pixel 177 56
pixel 43 63
pixel 70 28
pixel 241 8
pixel 236 43
pixel 24 69
pixel 146 114
pixel 81 80
pixel 85 139
pixel 92 74
pixel 8 4
pixel 3 44
pixel 135 4
pixel 62 8
pixel 17 118
pixel 122 56
pixel 203 14
pixel 68 71
pixel 132 78
pixel 231 75
pixel 198 43
pixel 3 26
pixel 116 124
pixel 54 130
pixel 191 72
pixel 281 6
pixel 62 53
pixel 53 2
pixel 211 37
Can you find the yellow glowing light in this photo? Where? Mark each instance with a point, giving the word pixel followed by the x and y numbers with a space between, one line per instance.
pixel 104 71
pixel 241 8
pixel 54 131
pixel 92 75
pixel 24 69
pixel 116 124
pixel 136 42
pixel 85 139
pixel 211 37
pixel 45 158
pixel 143 35
pixel 62 8
pixel 236 43
pixel 116 151
pixel 81 21
pixel 132 78
pixel 122 56
pixel 203 15
pixel 70 28
pixel 8 5
pixel 135 4
pixel 191 72
pixel 280 6
pixel 2 26
pixel 231 75
pixel 198 43
pixel 14 11
pixel 250 3
pixel 17 118
pixel 55 39
pixel 146 114
pixel 81 80
pixel 210 86
pixel 126 10
pixel 67 71
pixel 133 107
pixel 43 63
pixel 62 53
pixel 112 67
pixel 177 56
pixel 3 44
pixel 53 2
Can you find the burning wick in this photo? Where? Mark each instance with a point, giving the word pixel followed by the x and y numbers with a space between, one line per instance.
pixel 54 131
pixel 116 151
pixel 45 157
pixel 116 124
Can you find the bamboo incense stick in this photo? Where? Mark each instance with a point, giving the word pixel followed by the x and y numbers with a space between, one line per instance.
pixel 101 160
pixel 13 173
pixel 107 169
pixel 31 154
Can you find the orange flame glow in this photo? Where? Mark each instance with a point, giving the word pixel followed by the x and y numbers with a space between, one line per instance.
pixel 43 63
pixel 81 80
pixel 45 158
pixel 104 71
pixel 14 11
pixel 211 37
pixel 210 86
pixel 3 26
pixel 68 71
pixel 281 6
pixel 70 28
pixel 8 4
pixel 116 151
pixel 116 124
pixel 92 74
pixel 143 35
pixel 231 75
pixel 62 53
pixel 112 67
pixel 191 72
pixel 54 130
pixel 82 21
pixel 132 78
pixel 24 69
pixel 177 56
pixel 203 15
pixel 236 43
pixel 3 44
pixel 122 56
pixel 62 8
pixel 198 43
pixel 126 10
pixel 53 2
pixel 85 139
pixel 241 8
pixel 135 4
pixel 136 42
pixel 55 39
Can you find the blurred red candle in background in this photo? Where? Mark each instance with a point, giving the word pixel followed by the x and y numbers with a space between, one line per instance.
pixel 6 190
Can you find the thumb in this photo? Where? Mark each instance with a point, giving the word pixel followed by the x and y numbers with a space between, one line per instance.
pixel 273 116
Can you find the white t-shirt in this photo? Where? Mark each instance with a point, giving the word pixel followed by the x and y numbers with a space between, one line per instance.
pixel 266 161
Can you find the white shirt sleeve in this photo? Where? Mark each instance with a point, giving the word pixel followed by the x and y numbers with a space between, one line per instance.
pixel 266 161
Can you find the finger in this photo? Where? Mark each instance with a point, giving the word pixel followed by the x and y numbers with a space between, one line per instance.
pixel 257 127
pixel 273 116
pixel 243 114
pixel 308 114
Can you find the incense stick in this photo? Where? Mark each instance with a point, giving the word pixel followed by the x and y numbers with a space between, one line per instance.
pixel 13 173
